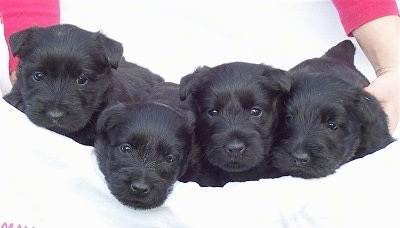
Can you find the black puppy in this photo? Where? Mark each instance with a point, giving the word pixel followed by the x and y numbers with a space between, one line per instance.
pixel 329 119
pixel 67 75
pixel 236 106
pixel 142 149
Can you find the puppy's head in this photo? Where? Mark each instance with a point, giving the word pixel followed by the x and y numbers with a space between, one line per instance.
pixel 321 127
pixel 329 119
pixel 142 150
pixel 236 108
pixel 63 73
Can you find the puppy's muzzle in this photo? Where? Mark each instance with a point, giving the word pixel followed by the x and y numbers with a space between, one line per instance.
pixel 55 114
pixel 140 188
pixel 235 148
pixel 301 158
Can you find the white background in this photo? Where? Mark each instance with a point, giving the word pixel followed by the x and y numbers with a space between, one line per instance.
pixel 173 37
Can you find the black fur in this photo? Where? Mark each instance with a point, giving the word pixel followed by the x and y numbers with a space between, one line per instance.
pixel 236 106
pixel 329 119
pixel 144 148
pixel 67 75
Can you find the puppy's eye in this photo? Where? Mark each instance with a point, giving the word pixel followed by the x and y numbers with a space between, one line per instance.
pixel 212 112
pixel 288 118
pixel 38 76
pixel 81 80
pixel 170 158
pixel 126 148
pixel 255 112
pixel 332 125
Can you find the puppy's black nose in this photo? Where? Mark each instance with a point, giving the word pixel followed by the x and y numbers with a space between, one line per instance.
pixel 140 187
pixel 235 147
pixel 55 114
pixel 301 158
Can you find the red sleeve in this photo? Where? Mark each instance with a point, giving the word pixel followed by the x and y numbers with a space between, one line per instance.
pixel 354 13
pixel 21 14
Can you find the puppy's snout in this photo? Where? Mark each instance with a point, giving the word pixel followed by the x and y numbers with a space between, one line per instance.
pixel 55 114
pixel 301 158
pixel 235 147
pixel 140 187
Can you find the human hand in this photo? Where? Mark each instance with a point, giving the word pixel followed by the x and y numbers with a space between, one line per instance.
pixel 386 89
pixel 13 77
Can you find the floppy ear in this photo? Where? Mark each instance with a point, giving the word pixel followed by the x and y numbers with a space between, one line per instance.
pixel 106 121
pixel 277 79
pixel 14 97
pixel 367 107
pixel 188 136
pixel 20 39
pixel 112 49
pixel 110 117
pixel 375 133
pixel 190 82
pixel 343 51
pixel 190 118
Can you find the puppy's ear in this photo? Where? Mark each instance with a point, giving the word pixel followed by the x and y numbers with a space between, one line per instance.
pixel 110 117
pixel 21 39
pixel 14 97
pixel 374 124
pixel 367 107
pixel 112 49
pixel 190 118
pixel 343 51
pixel 277 79
pixel 191 82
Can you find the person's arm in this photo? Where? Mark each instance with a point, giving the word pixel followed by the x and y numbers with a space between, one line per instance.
pixel 21 14
pixel 380 41
pixel 375 24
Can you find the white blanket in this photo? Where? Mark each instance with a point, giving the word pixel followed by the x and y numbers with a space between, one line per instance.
pixel 47 180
